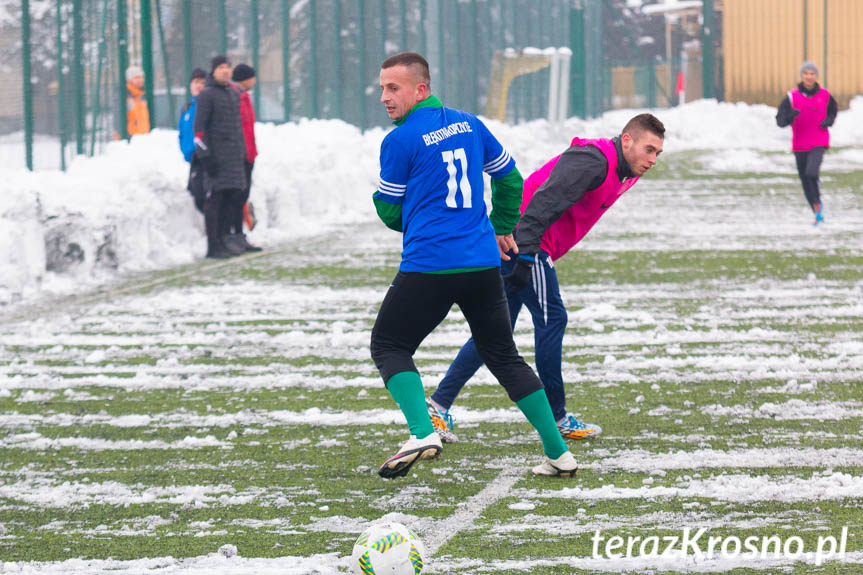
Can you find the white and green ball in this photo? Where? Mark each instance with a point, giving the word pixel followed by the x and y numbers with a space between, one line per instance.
pixel 388 549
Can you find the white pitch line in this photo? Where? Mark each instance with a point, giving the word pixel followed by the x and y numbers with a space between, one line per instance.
pixel 464 518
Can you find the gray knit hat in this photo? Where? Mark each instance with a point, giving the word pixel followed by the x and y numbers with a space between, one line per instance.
pixel 807 65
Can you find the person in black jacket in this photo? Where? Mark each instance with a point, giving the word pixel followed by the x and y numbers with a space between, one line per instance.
pixel 810 110
pixel 221 150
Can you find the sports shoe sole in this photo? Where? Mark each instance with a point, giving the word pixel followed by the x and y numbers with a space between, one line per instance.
pixel 579 434
pixel 562 473
pixel 558 472
pixel 399 464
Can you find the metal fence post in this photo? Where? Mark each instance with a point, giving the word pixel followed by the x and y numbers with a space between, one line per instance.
pixel 474 49
pixel 286 61
pixel 337 19
pixel 122 62
pixel 383 34
pixel 441 50
pixel 361 49
pixel 78 59
pixel 97 103
pixel 61 111
pixel 578 72
pixel 422 29
pixel 313 58
pixel 187 46
pixel 651 83
pixel 708 63
pixel 147 57
pixel 403 38
pixel 164 50
pixel 460 53
pixel 256 50
pixel 223 29
pixel 28 87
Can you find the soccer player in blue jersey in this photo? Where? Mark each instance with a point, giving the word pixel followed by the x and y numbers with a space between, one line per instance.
pixel 431 190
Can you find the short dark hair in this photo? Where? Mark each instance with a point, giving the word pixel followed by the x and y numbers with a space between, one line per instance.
pixel 410 59
pixel 644 123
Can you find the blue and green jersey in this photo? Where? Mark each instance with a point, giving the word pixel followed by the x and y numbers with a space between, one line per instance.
pixel 431 167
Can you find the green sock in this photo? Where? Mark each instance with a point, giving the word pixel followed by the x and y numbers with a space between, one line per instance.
pixel 407 390
pixel 538 412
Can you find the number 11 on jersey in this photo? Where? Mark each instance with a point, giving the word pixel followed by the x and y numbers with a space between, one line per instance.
pixel 464 184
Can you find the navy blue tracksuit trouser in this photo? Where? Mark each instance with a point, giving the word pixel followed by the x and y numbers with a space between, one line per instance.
pixel 543 301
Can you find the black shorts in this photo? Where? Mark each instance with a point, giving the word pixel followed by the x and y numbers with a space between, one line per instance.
pixel 416 303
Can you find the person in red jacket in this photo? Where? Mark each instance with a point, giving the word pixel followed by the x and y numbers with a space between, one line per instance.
pixel 244 79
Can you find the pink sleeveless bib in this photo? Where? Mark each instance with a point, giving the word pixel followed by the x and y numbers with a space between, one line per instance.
pixel 578 219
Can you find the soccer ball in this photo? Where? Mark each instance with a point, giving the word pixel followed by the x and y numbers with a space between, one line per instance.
pixel 387 549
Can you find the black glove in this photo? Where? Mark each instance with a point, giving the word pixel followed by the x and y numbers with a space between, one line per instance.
pixel 826 123
pixel 794 113
pixel 520 276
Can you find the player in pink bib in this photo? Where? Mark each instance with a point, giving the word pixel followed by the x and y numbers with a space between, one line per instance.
pixel 561 202
pixel 810 110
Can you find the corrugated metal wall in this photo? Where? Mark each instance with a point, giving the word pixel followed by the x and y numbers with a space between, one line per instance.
pixel 765 41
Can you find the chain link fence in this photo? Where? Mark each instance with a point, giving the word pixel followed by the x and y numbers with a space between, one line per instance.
pixel 314 59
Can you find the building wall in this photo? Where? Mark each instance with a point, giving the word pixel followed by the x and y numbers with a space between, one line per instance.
pixel 765 41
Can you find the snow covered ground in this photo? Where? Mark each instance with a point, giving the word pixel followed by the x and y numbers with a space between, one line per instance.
pixel 127 210
pixel 191 421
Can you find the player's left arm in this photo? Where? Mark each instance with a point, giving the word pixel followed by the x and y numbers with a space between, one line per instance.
pixel 832 110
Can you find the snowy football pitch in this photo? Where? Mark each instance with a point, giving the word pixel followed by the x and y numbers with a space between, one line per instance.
pixel 714 334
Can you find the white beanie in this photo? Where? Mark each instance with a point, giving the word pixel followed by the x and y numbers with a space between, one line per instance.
pixel 133 72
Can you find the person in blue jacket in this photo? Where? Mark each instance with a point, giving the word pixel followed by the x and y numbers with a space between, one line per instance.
pixel 186 128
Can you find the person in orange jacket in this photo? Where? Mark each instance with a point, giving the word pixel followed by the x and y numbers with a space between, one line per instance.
pixel 137 113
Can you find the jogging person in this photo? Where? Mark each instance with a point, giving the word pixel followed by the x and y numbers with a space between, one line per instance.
pixel 562 201
pixel 810 110
pixel 431 189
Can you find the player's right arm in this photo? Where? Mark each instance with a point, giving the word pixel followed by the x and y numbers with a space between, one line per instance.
pixel 506 187
pixel 579 170
pixel 786 113
pixel 392 184
pixel 506 205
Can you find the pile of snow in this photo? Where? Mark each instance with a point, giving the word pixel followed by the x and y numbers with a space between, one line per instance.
pixel 127 210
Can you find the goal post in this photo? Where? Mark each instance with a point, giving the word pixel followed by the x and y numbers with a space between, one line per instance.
pixel 509 64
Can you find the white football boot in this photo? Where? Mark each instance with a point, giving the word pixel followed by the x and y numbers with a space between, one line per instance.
pixel 563 466
pixel 412 451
